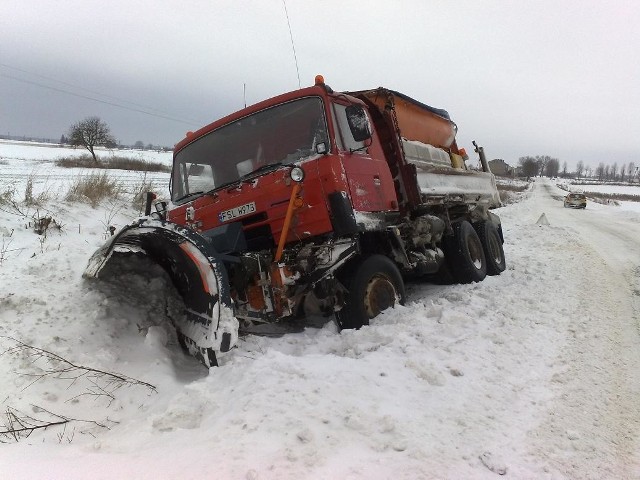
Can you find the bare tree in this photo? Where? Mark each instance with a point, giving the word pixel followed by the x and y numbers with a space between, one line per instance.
pixel 90 133
pixel 580 168
pixel 614 171
pixel 529 166
pixel 551 167
pixel 623 172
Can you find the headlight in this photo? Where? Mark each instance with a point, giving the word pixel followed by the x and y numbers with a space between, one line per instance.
pixel 297 174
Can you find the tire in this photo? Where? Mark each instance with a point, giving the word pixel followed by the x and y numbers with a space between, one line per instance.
pixel 465 254
pixel 492 246
pixel 374 284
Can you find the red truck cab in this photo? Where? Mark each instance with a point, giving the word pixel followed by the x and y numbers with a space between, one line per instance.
pixel 239 169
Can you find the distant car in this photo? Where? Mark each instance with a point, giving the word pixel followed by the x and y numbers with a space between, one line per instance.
pixel 575 200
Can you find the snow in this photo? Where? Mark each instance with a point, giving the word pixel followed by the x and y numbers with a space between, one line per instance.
pixel 534 373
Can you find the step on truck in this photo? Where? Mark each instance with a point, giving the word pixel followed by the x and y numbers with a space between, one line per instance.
pixel 314 202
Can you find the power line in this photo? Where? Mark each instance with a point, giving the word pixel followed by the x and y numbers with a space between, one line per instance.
pixel 118 105
pixel 121 100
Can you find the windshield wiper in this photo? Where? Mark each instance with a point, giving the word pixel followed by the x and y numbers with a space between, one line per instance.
pixel 262 169
pixel 248 176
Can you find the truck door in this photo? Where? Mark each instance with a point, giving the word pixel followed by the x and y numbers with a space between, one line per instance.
pixel 370 183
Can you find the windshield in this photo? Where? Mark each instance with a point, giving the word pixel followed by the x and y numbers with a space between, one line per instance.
pixel 282 134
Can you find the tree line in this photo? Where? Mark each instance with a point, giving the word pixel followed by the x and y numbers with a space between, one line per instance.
pixel 550 167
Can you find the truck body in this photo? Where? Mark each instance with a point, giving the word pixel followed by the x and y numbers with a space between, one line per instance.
pixel 314 202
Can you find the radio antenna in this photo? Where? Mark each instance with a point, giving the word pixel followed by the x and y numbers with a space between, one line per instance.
pixel 293 47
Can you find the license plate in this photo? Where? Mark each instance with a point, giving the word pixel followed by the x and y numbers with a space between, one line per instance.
pixel 239 211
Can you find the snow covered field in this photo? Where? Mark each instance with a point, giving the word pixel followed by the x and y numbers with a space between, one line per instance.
pixel 534 374
pixel 623 189
pixel 22 160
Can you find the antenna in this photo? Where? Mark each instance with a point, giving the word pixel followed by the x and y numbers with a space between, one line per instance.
pixel 293 47
pixel 244 94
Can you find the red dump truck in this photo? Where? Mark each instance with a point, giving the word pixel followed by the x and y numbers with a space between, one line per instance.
pixel 314 202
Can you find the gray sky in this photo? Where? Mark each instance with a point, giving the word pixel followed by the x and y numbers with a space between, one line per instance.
pixel 558 78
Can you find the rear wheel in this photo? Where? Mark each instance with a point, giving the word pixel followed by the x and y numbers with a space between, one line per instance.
pixel 373 285
pixel 492 245
pixel 464 254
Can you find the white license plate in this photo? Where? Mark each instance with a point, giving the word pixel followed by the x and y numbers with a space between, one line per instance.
pixel 239 211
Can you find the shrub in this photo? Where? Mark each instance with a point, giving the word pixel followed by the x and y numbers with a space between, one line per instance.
pixel 138 164
pixel 83 161
pixel 115 162
pixel 94 187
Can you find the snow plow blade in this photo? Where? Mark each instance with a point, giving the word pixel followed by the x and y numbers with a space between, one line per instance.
pixel 208 329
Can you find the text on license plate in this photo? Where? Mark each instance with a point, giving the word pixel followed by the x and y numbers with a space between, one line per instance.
pixel 238 211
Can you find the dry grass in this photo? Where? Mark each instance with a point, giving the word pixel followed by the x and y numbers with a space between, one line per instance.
pixel 511 192
pixel 36 200
pixel 114 163
pixel 94 188
pixel 139 193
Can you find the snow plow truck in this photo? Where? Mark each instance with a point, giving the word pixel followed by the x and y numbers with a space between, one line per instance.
pixel 314 202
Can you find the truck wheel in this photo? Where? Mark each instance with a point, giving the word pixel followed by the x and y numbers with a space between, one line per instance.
pixel 374 285
pixel 492 245
pixel 464 252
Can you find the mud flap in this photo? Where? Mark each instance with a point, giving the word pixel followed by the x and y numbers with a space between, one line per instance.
pixel 208 329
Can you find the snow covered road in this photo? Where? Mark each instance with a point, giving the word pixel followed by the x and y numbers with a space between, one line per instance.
pixel 534 374
pixel 597 405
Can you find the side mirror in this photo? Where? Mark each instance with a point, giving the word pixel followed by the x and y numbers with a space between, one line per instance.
pixel 358 123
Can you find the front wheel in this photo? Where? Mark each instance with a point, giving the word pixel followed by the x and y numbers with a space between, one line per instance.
pixel 373 285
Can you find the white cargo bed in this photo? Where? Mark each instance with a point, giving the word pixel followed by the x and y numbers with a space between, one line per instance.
pixel 459 185
pixel 439 182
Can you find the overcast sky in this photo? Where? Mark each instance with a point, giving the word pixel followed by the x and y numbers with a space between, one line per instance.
pixel 558 78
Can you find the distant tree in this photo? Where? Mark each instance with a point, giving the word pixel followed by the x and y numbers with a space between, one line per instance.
pixel 90 133
pixel 63 140
pixel 139 145
pixel 580 168
pixel 565 173
pixel 632 171
pixel 551 167
pixel 529 166
pixel 623 172
pixel 600 171
pixel 150 146
pixel 614 171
